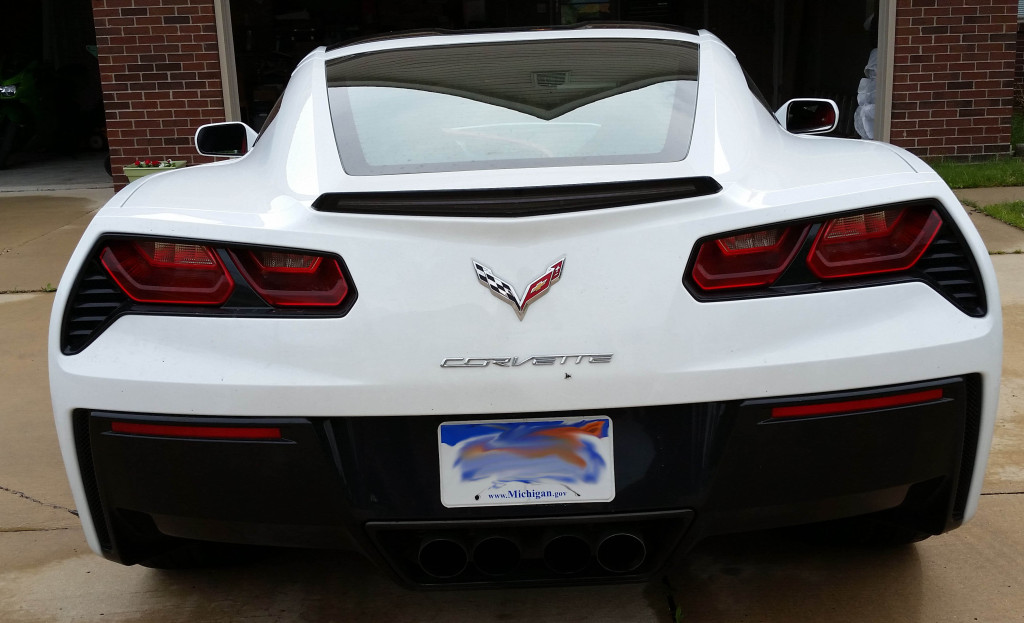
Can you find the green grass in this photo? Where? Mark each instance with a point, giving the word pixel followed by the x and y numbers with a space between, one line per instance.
pixel 1011 213
pixel 1007 172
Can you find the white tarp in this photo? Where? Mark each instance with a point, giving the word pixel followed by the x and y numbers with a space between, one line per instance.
pixel 864 116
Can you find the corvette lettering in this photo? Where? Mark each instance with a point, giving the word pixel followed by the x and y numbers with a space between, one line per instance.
pixel 507 293
pixel 515 362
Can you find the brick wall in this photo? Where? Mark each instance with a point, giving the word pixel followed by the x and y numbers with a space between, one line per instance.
pixel 161 77
pixel 953 80
pixel 953 77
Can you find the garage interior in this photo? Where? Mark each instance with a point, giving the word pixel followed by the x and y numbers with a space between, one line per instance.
pixel 48 53
pixel 790 48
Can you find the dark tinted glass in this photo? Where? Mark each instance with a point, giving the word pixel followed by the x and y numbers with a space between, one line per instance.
pixel 513 105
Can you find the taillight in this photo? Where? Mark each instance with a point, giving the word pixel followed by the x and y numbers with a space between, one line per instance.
pixel 293 279
pixel 747 260
pixel 807 254
pixel 165 271
pixel 151 271
pixel 872 242
pixel 197 278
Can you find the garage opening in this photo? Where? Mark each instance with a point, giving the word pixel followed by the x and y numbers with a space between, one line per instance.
pixel 790 48
pixel 51 101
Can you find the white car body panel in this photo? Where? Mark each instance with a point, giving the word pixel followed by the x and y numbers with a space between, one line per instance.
pixel 620 293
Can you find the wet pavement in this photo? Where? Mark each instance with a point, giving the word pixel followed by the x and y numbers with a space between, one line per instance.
pixel 47 572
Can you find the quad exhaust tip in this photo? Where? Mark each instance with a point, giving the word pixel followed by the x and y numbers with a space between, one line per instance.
pixel 442 558
pixel 621 552
pixel 497 555
pixel 446 558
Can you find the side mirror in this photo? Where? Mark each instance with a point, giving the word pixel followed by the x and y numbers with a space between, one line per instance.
pixel 231 139
pixel 809 116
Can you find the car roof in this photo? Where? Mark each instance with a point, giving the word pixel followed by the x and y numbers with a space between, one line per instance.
pixel 441 32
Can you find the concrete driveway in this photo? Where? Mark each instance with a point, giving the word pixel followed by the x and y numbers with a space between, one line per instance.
pixel 47 573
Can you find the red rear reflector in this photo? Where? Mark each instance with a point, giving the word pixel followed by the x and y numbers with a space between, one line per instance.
pixel 152 271
pixel 195 432
pixel 873 242
pixel 293 279
pixel 746 260
pixel 863 404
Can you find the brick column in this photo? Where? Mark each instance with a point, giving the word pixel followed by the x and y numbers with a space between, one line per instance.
pixel 953 77
pixel 160 70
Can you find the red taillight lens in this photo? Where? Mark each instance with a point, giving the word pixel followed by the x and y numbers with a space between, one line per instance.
pixel 746 260
pixel 293 279
pixel 873 242
pixel 153 271
pixel 195 432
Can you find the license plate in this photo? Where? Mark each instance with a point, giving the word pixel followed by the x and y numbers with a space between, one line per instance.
pixel 528 461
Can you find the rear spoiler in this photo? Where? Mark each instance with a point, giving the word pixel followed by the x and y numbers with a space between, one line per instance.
pixel 517 202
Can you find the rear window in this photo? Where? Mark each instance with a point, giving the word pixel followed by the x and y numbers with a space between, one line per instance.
pixel 514 105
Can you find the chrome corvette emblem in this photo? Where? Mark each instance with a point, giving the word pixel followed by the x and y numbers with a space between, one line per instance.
pixel 536 360
pixel 507 293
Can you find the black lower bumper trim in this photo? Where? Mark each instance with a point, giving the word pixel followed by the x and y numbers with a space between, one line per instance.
pixel 682 472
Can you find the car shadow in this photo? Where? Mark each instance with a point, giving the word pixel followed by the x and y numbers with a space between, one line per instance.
pixel 791 575
pixel 766 576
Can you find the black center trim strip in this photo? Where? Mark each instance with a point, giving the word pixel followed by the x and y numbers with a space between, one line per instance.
pixel 516 202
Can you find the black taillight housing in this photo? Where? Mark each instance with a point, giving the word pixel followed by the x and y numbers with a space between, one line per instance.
pixel 165 276
pixel 880 245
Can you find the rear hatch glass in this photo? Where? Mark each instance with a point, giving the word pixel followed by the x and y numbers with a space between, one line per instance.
pixel 478 106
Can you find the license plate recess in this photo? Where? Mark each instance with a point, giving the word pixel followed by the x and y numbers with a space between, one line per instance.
pixel 526 461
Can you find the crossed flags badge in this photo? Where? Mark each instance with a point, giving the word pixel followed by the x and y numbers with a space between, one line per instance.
pixel 507 293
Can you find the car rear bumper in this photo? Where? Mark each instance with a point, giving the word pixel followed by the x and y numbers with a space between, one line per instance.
pixel 682 472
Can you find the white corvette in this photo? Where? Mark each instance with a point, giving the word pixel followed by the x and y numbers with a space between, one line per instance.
pixel 523 307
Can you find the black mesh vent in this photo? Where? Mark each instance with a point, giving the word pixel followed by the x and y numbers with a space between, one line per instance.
pixel 94 303
pixel 85 467
pixel 972 428
pixel 949 270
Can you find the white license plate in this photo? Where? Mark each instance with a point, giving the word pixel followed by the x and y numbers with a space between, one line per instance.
pixel 528 461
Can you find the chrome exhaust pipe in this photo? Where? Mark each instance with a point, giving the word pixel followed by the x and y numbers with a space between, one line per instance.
pixel 496 555
pixel 567 553
pixel 442 558
pixel 621 552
